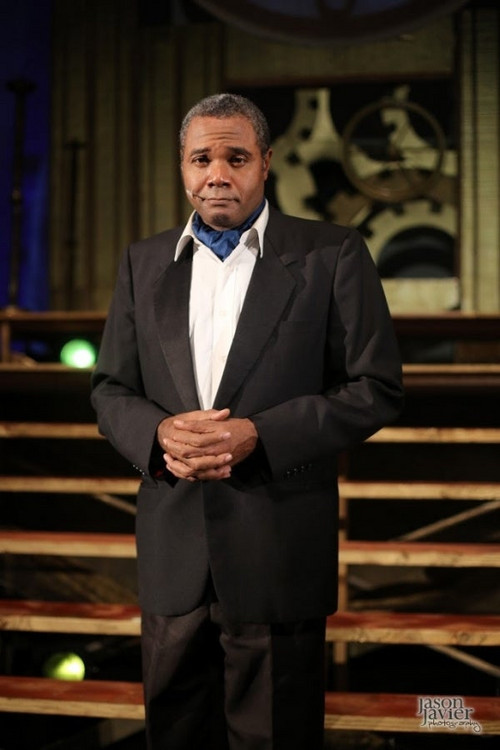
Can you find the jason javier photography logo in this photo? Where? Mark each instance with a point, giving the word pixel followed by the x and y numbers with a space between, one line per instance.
pixel 448 713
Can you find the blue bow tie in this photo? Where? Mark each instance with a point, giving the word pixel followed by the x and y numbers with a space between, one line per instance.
pixel 222 243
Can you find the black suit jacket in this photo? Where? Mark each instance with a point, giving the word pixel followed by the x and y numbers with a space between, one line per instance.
pixel 314 363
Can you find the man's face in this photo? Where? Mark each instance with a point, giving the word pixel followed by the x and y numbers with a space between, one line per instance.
pixel 223 170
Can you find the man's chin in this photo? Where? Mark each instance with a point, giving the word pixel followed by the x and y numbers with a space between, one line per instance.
pixel 219 220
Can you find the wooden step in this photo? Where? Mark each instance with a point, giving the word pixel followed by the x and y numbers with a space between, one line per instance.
pixel 348 489
pixel 347 711
pixel 70 485
pixel 413 628
pixel 370 627
pixel 426 554
pixel 92 698
pixel 381 490
pixel 384 712
pixel 79 544
pixel 74 544
pixel 89 431
pixel 70 617
pixel 50 430
pixel 451 379
pixel 481 435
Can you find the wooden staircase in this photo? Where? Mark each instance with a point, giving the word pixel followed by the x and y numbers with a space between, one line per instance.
pixel 345 709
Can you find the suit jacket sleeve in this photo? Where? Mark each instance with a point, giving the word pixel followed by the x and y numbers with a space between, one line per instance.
pixel 125 415
pixel 362 379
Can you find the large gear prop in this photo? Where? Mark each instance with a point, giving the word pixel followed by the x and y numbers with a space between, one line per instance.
pixel 401 167
pixel 388 173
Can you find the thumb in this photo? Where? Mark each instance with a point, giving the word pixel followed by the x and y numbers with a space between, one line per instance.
pixel 219 415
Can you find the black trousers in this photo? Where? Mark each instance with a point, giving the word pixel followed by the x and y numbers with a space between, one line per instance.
pixel 214 685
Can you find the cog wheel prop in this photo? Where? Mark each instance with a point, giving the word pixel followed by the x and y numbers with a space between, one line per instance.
pixel 393 150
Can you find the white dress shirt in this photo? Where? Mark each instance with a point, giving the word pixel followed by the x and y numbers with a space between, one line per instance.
pixel 218 290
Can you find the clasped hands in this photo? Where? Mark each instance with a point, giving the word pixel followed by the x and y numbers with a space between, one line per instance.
pixel 205 444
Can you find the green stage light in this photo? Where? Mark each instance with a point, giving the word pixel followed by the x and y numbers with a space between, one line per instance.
pixel 64 666
pixel 78 353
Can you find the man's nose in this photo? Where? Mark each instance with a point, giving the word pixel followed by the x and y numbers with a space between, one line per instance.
pixel 219 174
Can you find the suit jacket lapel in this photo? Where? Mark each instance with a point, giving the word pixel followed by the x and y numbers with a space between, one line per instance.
pixel 171 300
pixel 269 291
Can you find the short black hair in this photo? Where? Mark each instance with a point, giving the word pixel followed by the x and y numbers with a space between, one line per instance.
pixel 228 105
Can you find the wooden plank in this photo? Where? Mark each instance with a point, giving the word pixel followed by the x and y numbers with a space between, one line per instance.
pixel 95 698
pixel 74 544
pixel 444 523
pixel 349 489
pixel 70 617
pixel 352 552
pixel 360 627
pixel 452 379
pixel 49 430
pixel 453 324
pixel 432 554
pixel 481 435
pixel 467 435
pixel 453 369
pixel 372 490
pixel 347 711
pixel 54 321
pixel 70 485
pixel 413 628
pixel 392 712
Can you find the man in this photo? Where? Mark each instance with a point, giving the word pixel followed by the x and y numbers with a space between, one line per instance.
pixel 242 352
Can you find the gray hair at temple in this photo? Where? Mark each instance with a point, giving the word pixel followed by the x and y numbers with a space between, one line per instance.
pixel 228 105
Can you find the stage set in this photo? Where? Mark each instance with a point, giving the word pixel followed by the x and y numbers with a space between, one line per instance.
pixel 386 119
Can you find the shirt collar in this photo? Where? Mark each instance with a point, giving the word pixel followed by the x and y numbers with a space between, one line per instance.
pixel 257 229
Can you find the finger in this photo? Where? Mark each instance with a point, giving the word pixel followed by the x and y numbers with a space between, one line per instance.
pixel 178 468
pixel 208 426
pixel 224 472
pixel 198 446
pixel 181 451
pixel 204 441
pixel 207 463
pixel 199 438
pixel 204 414
pixel 220 415
pixel 191 466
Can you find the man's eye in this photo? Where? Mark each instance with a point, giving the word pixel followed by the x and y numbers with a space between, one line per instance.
pixel 200 160
pixel 238 160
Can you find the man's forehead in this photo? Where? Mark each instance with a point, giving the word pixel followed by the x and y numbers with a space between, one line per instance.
pixel 237 129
